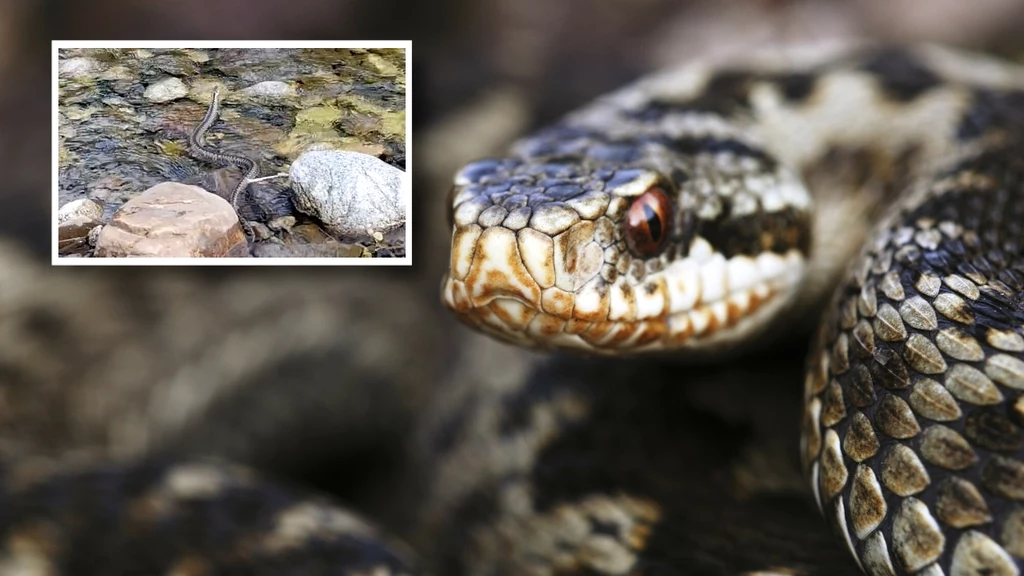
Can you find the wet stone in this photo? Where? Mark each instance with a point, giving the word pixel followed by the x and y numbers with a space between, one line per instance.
pixel 166 90
pixel 77 218
pixel 353 194
pixel 260 231
pixel 270 89
pixel 172 220
pixel 77 67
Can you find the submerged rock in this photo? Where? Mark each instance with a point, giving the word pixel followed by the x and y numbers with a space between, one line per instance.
pixel 353 194
pixel 172 220
pixel 166 90
pixel 270 89
pixel 282 223
pixel 77 218
pixel 77 67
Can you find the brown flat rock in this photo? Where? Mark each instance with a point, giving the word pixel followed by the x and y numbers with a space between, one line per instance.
pixel 172 220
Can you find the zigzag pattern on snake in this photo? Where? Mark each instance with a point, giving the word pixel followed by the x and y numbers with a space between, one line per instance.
pixel 696 212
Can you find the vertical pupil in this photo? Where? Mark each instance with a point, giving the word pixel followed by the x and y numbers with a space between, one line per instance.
pixel 653 222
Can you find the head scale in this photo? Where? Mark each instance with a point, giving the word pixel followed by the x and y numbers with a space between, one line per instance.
pixel 619 245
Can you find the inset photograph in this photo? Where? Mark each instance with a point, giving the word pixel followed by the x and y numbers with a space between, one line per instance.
pixel 231 153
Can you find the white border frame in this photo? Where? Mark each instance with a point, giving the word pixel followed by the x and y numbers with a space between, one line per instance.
pixel 407 189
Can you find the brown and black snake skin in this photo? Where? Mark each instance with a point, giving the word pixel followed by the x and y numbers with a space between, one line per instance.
pixel 707 214
pixel 672 217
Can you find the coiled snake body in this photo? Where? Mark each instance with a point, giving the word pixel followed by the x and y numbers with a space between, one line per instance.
pixel 673 216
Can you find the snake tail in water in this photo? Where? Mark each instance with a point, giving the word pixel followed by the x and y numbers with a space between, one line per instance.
pixel 249 168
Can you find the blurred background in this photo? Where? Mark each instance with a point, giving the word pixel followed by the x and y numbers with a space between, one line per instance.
pixel 483 73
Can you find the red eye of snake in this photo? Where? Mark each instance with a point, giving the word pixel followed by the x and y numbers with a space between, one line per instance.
pixel 648 223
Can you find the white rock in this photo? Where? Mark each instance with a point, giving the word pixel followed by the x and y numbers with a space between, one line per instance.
pixel 270 88
pixel 353 194
pixel 166 90
pixel 81 208
pixel 76 218
pixel 77 67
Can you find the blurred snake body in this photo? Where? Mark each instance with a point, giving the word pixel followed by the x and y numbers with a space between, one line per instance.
pixel 250 170
pixel 704 209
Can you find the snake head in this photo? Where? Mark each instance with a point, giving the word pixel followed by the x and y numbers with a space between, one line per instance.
pixel 619 251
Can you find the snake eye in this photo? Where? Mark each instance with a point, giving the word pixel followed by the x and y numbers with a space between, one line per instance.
pixel 648 222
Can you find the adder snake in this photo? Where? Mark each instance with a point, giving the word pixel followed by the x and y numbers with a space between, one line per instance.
pixel 704 214
pixel 672 216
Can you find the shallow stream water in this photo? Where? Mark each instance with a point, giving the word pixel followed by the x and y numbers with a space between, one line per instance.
pixel 124 117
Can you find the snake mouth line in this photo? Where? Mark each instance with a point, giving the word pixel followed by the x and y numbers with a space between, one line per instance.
pixel 728 315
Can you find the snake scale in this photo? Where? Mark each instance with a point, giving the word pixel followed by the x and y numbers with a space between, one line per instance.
pixel 655 256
